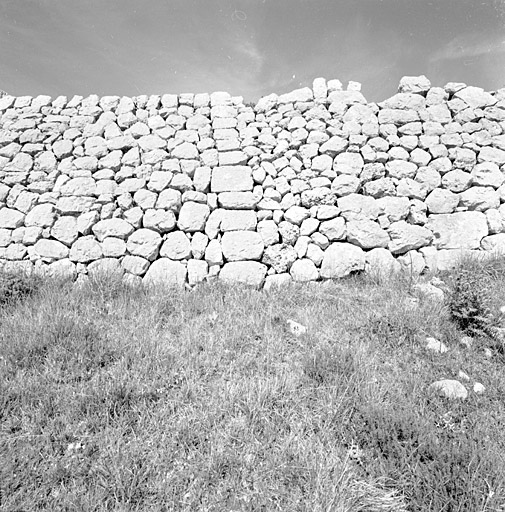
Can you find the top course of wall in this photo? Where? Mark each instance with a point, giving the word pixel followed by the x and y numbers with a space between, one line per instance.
pixel 308 185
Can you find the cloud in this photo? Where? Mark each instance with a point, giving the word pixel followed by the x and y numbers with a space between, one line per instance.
pixel 469 46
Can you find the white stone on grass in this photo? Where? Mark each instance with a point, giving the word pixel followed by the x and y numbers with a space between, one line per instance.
pixel 452 389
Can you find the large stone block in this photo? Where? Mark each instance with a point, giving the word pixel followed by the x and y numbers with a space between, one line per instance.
pixel 251 273
pixel 192 216
pixel 407 237
pixel 461 230
pixel 231 179
pixel 242 245
pixel 166 272
pixel 341 259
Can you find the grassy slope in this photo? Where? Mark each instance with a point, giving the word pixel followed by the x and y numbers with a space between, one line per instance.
pixel 118 399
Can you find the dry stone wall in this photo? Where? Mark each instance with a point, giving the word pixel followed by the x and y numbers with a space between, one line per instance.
pixel 313 184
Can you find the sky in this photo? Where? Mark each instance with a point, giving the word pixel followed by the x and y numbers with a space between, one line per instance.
pixel 248 48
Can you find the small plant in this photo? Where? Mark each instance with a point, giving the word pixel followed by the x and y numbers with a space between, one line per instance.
pixel 469 304
pixel 14 287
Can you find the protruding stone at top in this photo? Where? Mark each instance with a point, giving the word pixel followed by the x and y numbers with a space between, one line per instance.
pixel 414 84
pixel 320 89
pixel 220 98
pixel 354 86
pixel 304 94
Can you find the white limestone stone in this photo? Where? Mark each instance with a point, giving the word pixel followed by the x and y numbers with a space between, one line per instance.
pixel 304 270
pixel 441 200
pixel 237 220
pixel 50 249
pixel 197 271
pixel 250 273
pixel 480 198
pixel 406 237
pixel 113 247
pixel 380 261
pixel 159 220
pixel 144 243
pixel 118 228
pixel 176 246
pixel 460 230
pixel 10 218
pixel 341 259
pixel 65 230
pixel 366 234
pixel 414 84
pixel 280 257
pixel 242 245
pixel 231 179
pixel 135 265
pixel 85 249
pixel 334 229
pixel 192 216
pixel 166 272
pixel 487 174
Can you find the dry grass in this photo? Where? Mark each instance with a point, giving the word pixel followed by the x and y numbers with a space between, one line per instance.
pixel 113 398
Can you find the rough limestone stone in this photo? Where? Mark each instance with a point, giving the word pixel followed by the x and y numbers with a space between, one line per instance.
pixel 237 220
pixel 176 246
pixel 50 249
pixel 406 237
pixel 85 249
pixel 460 230
pixel 381 262
pixel 268 231
pixel 414 84
pixel 135 265
pixel 11 219
pixel 475 97
pixel 358 207
pixel 251 273
pixel 197 271
pixel 65 230
pixel 487 174
pixel 113 247
pixel 231 179
pixel 296 214
pixel 192 216
pixel 41 215
pixel 118 228
pixel 366 234
pixel 480 198
pixel 144 243
pixel 79 187
pixel 304 270
pixel 276 281
pixel 280 257
pixel 105 266
pixel 159 220
pixel 334 229
pixel 494 243
pixel 394 208
pixel 441 200
pixel 242 245
pixel 166 272
pixel 488 154
pixel 341 259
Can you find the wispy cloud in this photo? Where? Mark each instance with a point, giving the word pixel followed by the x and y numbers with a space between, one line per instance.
pixel 468 46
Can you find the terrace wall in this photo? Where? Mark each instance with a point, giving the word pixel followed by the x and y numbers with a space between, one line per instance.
pixel 309 185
